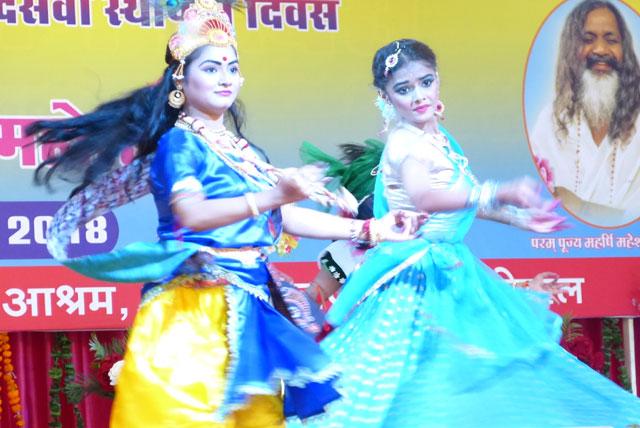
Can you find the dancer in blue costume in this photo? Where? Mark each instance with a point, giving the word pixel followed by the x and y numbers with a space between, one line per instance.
pixel 207 348
pixel 438 339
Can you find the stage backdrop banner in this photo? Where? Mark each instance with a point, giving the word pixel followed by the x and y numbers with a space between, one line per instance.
pixel 307 67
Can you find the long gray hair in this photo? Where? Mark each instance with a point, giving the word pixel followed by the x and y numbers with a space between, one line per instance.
pixel 571 67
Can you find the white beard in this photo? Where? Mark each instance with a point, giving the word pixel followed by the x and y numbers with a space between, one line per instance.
pixel 598 97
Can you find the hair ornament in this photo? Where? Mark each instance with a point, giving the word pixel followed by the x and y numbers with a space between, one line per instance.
pixel 204 22
pixel 392 60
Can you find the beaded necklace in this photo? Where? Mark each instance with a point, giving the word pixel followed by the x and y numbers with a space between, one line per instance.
pixel 230 148
pixel 578 165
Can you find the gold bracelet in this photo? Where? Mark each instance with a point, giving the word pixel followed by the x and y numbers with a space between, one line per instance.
pixel 354 232
pixel 253 205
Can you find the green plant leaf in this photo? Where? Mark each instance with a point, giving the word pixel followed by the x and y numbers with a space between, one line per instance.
pixel 98 349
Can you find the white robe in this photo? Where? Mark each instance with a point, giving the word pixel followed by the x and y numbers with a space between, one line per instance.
pixel 589 194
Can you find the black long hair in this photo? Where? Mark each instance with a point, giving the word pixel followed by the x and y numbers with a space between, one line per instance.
pixel 98 138
pixel 410 50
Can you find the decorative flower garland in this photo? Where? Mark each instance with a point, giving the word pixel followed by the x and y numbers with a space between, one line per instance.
pixel 612 346
pixel 62 373
pixel 9 376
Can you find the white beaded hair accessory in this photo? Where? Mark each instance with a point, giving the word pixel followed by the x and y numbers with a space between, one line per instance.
pixel 387 110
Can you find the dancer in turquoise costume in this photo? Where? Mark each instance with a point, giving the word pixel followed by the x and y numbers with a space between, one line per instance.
pixel 340 258
pixel 438 339
pixel 212 344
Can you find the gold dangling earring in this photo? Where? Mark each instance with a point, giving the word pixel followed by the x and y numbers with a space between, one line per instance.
pixel 176 97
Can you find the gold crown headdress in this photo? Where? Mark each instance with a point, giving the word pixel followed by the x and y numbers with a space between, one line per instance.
pixel 204 22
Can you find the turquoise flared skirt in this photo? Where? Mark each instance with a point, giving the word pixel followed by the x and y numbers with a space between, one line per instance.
pixel 445 342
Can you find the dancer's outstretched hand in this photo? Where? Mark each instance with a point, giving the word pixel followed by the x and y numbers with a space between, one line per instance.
pixel 295 184
pixel 308 182
pixel 546 219
pixel 547 282
pixel 401 225
pixel 543 219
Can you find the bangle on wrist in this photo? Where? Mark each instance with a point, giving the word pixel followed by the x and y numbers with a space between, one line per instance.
pixel 367 235
pixel 374 233
pixel 474 196
pixel 483 196
pixel 353 231
pixel 359 232
pixel 253 205
pixel 487 198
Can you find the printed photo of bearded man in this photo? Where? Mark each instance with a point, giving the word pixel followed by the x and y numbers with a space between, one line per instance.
pixel 588 138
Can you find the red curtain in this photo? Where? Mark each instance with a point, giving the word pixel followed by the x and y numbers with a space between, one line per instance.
pixel 32 360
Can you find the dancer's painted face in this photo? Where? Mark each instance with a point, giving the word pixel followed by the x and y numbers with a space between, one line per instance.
pixel 213 80
pixel 414 91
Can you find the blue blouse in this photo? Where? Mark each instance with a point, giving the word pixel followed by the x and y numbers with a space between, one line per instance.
pixel 183 155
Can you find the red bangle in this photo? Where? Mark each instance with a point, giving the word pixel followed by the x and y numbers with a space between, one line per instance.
pixel 366 232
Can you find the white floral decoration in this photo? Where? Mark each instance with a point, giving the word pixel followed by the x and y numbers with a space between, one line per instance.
pixel 114 372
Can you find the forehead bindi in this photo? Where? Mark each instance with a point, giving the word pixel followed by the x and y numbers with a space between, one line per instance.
pixel 218 55
pixel 601 22
pixel 224 58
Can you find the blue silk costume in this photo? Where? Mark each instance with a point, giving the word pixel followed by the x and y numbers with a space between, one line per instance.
pixel 440 340
pixel 207 341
